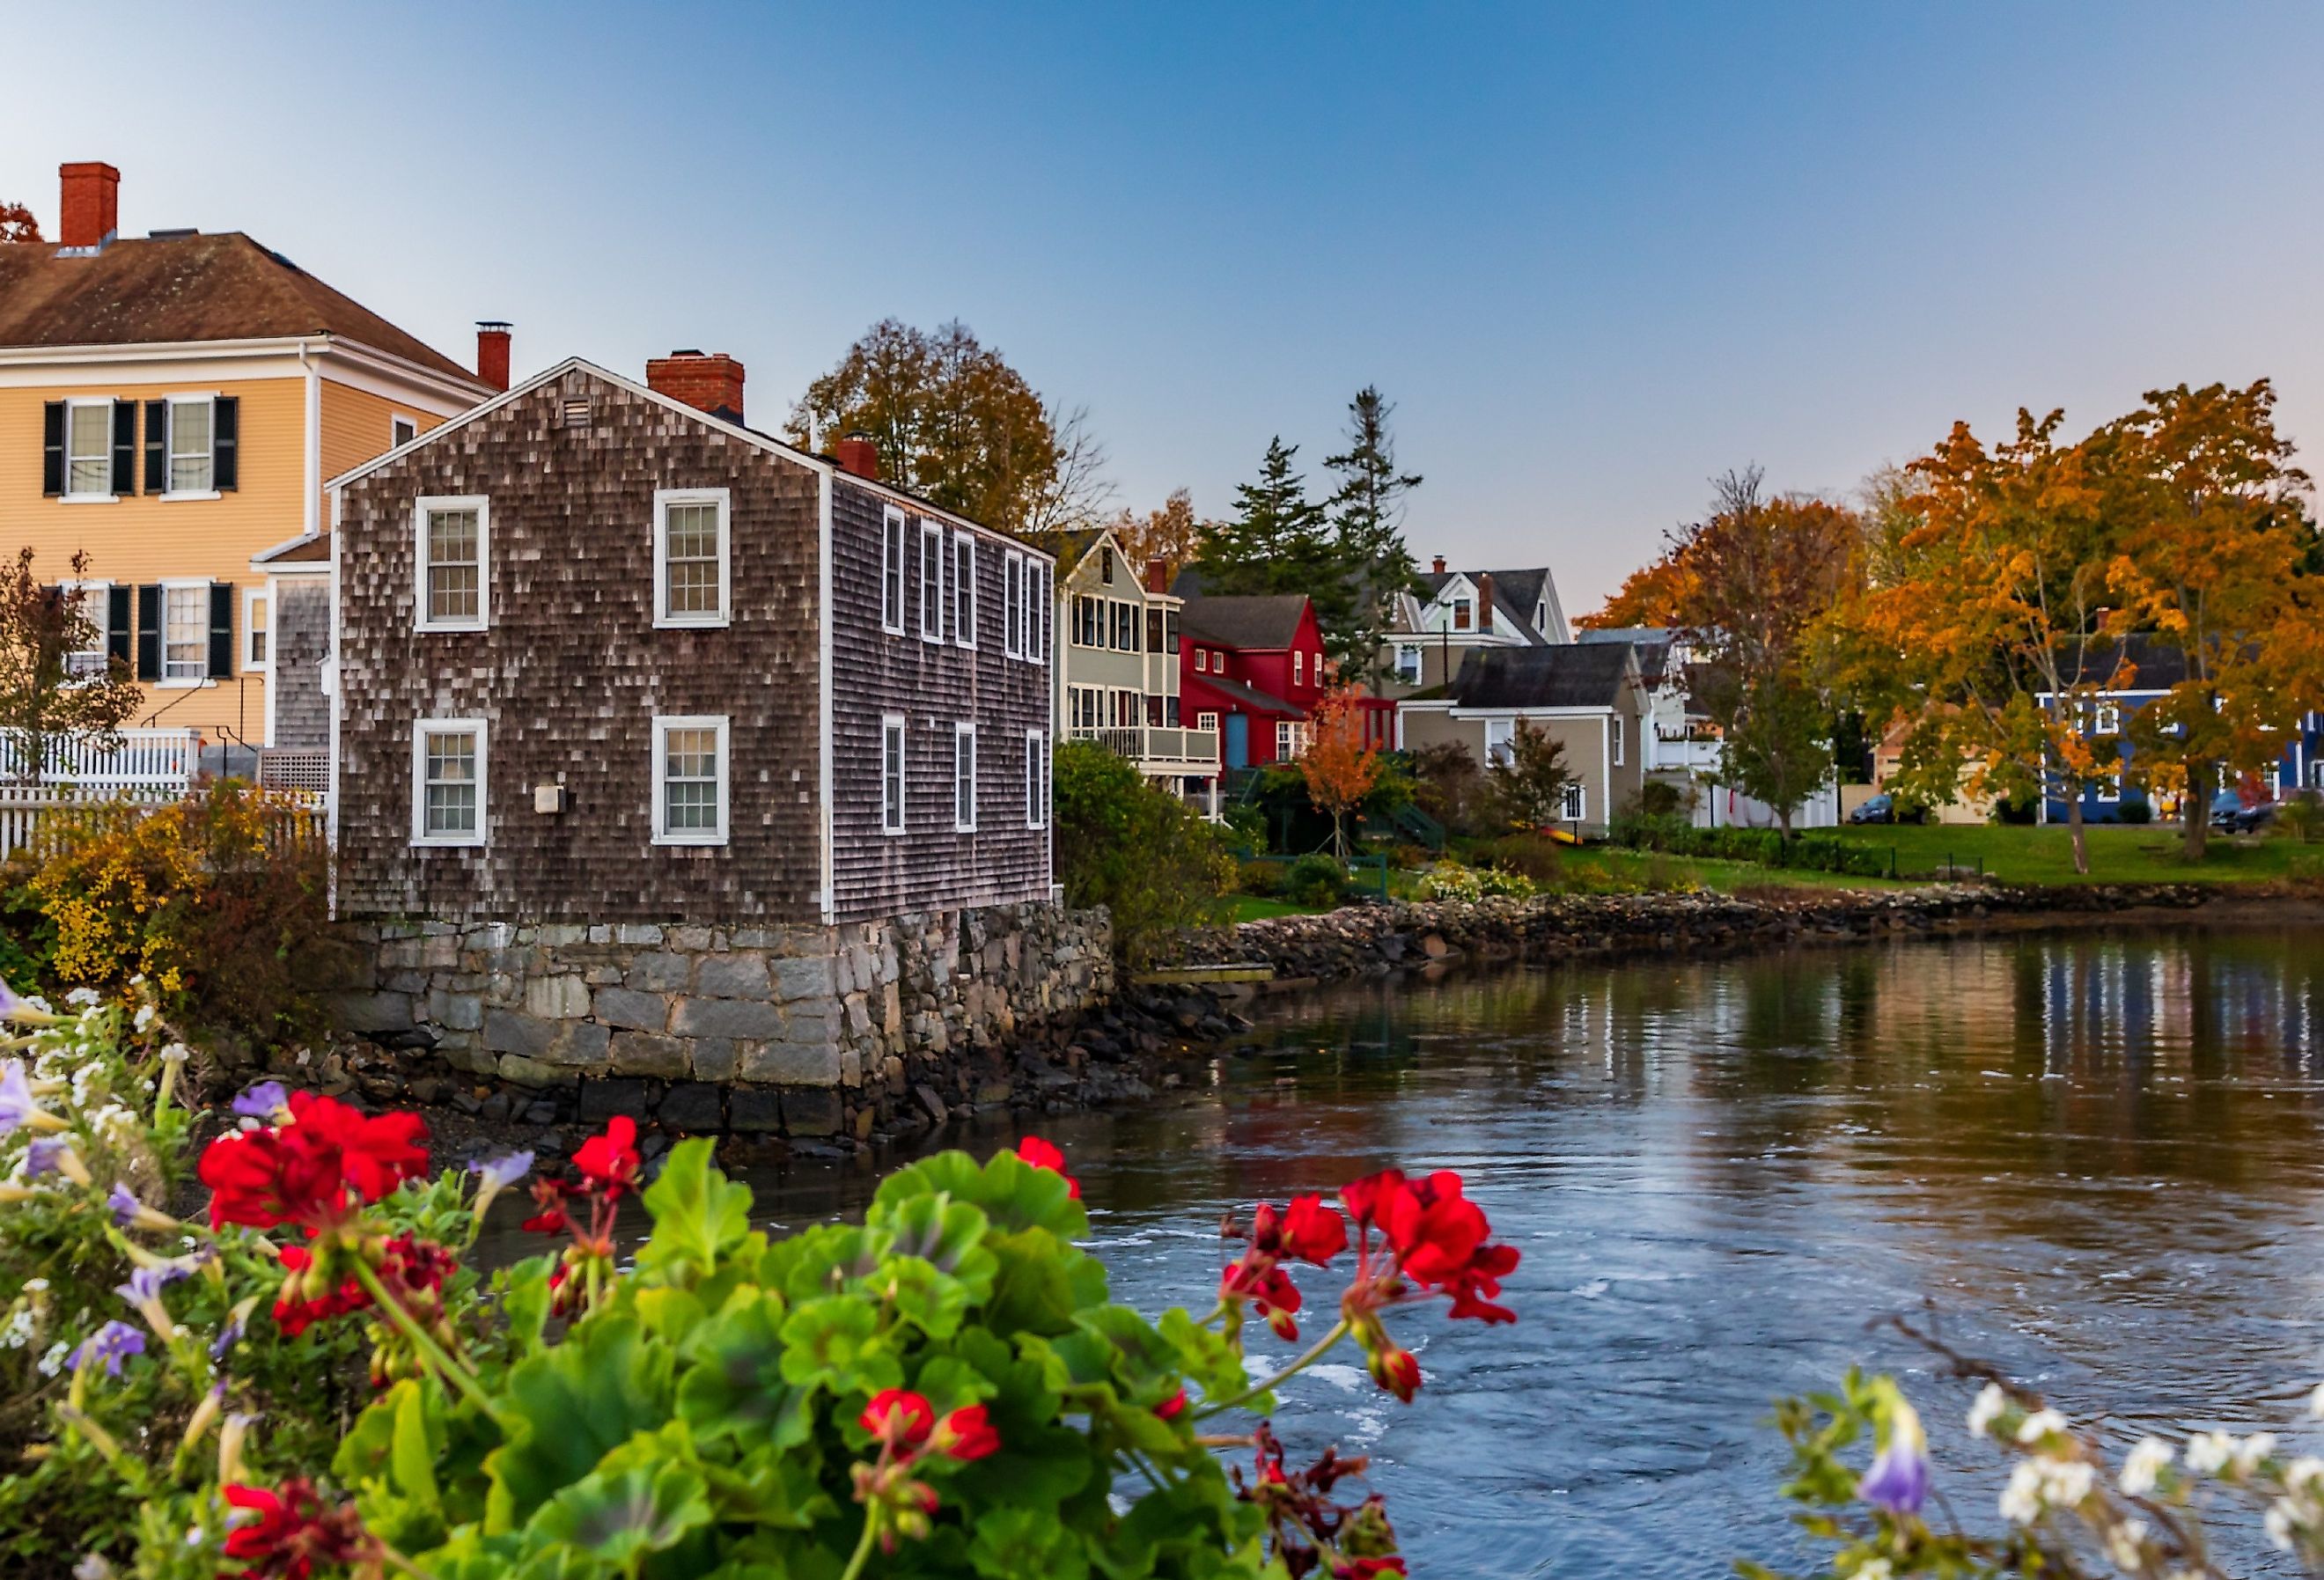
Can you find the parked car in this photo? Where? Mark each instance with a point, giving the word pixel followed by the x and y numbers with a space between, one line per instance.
pixel 1882 808
pixel 2229 812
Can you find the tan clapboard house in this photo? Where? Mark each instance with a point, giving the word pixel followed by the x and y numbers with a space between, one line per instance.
pixel 172 405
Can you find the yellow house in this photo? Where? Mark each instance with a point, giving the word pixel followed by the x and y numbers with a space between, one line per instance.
pixel 172 406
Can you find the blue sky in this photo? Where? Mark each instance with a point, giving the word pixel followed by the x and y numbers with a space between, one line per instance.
pixel 1596 254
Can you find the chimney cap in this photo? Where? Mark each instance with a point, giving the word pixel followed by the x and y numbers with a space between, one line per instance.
pixel 500 324
pixel 688 351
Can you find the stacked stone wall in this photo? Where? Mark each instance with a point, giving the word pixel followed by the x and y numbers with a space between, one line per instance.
pixel 798 1029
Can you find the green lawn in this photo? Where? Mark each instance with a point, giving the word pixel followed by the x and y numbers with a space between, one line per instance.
pixel 2118 854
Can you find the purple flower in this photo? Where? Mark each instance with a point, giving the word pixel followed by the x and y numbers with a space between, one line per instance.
pixel 145 1285
pixel 124 1204
pixel 16 1104
pixel 227 1337
pixel 41 1156
pixel 497 1174
pixel 113 1343
pixel 1898 1480
pixel 262 1101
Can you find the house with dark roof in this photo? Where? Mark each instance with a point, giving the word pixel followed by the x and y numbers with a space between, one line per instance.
pixel 1591 698
pixel 1117 664
pixel 1253 668
pixel 1456 613
pixel 172 405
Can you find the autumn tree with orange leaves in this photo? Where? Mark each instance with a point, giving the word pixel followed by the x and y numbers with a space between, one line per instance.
pixel 17 224
pixel 1652 595
pixel 1172 534
pixel 2217 554
pixel 1341 765
pixel 1992 627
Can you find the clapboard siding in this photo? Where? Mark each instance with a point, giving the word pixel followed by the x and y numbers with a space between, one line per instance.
pixel 572 671
pixel 929 866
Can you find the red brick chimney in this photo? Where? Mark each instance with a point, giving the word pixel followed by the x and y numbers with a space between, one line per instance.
pixel 710 381
pixel 92 204
pixel 492 352
pixel 1157 575
pixel 1485 600
pixel 1438 564
pixel 858 453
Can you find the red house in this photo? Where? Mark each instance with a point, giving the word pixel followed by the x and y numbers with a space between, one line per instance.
pixel 1253 668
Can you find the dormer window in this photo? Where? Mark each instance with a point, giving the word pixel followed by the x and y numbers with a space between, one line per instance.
pixel 1464 613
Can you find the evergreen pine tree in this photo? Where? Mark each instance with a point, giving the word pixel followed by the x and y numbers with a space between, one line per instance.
pixel 1278 540
pixel 1368 519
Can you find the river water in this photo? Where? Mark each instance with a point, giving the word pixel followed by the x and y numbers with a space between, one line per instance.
pixel 2095 1158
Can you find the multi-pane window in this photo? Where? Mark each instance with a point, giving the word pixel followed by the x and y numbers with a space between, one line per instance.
pixel 1089 621
pixel 690 558
pixel 88 447
pixel 448 781
pixel 1617 740
pixel 963 590
pixel 963 778
pixel 690 780
pixel 932 581
pixel 254 628
pixel 1036 610
pixel 94 601
pixel 191 450
pixel 1037 779
pixel 1499 736
pixel 454 537
pixel 185 631
pixel 1012 604
pixel 891 570
pixel 1202 662
pixel 1407 665
pixel 891 772
pixel 1290 740
pixel 1298 667
pixel 1575 804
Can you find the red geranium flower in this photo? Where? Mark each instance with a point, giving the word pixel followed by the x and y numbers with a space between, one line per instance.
pixel 611 1160
pixel 1312 1232
pixel 1042 1155
pixel 1434 1227
pixel 1367 1568
pixel 898 1416
pixel 1268 1287
pixel 1172 1407
pixel 294 1532
pixel 1396 1369
pixel 548 1196
pixel 1367 1197
pixel 966 1434
pixel 304 1171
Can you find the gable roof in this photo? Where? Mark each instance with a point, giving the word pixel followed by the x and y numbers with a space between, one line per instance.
pixel 1567 674
pixel 1516 595
pixel 1070 545
pixel 187 287
pixel 1256 621
pixel 1652 643
pixel 1251 697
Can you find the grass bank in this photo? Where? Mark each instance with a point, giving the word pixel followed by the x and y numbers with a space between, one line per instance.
pixel 2118 854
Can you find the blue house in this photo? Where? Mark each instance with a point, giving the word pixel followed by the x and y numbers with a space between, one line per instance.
pixel 2156 666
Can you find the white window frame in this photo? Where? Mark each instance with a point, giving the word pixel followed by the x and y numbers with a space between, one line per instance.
pixel 1040 597
pixel 253 599
pixel 1012 604
pixel 1036 777
pixel 1500 736
pixel 169 489
pixel 182 584
pixel 102 591
pixel 895 561
pixel 1207 721
pixel 934 552
pixel 1292 739
pixel 964 737
pixel 895 742
pixel 963 590
pixel 663 724
pixel 421 508
pixel 67 492
pixel 1575 802
pixel 2109 790
pixel 420 730
pixel 1615 721
pixel 1299 666
pixel 2108 720
pixel 664 617
pixel 1409 673
pixel 396 422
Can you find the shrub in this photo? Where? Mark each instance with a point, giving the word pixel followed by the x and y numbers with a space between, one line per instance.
pixel 946 1384
pixel 1315 880
pixel 1449 879
pixel 1765 847
pixel 2139 811
pixel 1447 785
pixel 2301 816
pixel 1659 799
pixel 1262 878
pixel 1528 854
pixel 1138 850
pixel 219 901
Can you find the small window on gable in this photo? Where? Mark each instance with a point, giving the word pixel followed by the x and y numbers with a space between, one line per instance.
pixel 963 590
pixel 893 558
pixel 448 781
pixel 453 564
pixel 691 557
pixel 400 430
pixel 689 780
pixel 892 773
pixel 963 778
pixel 1037 779
pixel 1461 613
pixel 1298 667
pixel 932 581
pixel 1105 566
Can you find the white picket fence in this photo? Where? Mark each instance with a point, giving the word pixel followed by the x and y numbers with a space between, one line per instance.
pixel 44 817
pixel 143 759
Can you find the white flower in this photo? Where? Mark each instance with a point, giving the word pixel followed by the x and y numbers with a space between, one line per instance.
pixel 1875 1569
pixel 1987 1409
pixel 53 1362
pixel 2067 1482
pixel 2252 1452
pixel 2207 1453
pixel 2143 1465
pixel 19 1331
pixel 145 1016
pixel 2127 1545
pixel 82 998
pixel 175 1053
pixel 2303 1475
pixel 94 1566
pixel 2281 1520
pixel 2021 1500
pixel 2040 1424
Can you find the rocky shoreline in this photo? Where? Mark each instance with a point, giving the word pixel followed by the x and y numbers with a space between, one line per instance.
pixel 1139 1045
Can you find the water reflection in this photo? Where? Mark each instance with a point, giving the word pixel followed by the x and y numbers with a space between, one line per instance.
pixel 2096 1156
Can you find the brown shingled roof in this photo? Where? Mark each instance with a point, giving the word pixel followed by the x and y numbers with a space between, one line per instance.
pixel 299 552
pixel 223 287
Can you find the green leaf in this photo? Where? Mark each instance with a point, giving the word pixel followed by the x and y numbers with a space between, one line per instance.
pixel 818 1261
pixel 414 1451
pixel 1014 1195
pixel 1018 1543
pixel 569 1407
pixel 699 1216
pixel 1211 1364
pixel 620 1516
pixel 1038 1285
pixel 929 1301
pixel 835 1344
pixel 768 1489
pixel 944 1233
pixel 734 1388
pixel 524 1298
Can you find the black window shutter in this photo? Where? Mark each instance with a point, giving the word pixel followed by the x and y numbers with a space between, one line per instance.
pixel 52 448
pixel 118 627
pixel 125 446
pixel 225 433
pixel 149 632
pixel 221 629
pixel 157 447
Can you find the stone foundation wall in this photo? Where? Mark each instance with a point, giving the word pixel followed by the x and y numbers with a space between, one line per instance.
pixel 806 1030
